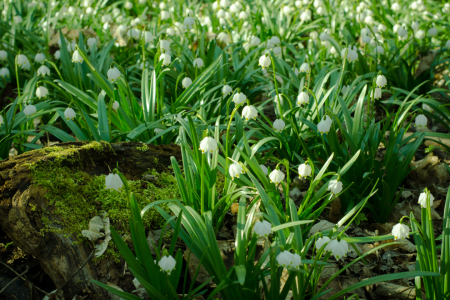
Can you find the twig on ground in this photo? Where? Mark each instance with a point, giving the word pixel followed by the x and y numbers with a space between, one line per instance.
pixel 18 276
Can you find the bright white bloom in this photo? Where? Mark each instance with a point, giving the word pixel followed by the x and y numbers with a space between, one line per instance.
pixel 366 39
pixel 302 98
pixel 22 60
pixel 43 70
pixel 277 51
pixel 400 231
pixel 148 37
pixel 221 13
pixel 165 15
pixel 324 126
pixel 314 35
pixel 415 25
pixel 324 36
pixel 198 62
pixel 335 186
pixel 188 23
pixel 164 44
pixel 432 31
pixel 305 16
pixel 162 5
pixel 264 61
pixel 337 248
pixel 276 176
pixel 352 54
pixel 285 259
pixel 39 58
pixel 420 34
pixel 255 41
pixel 165 57
pixel 234 170
pixel 322 241
pixel 421 122
pixel 381 27
pixel 3 55
pixel 274 41
pixel 381 81
pixel 29 110
pixel 396 7
pixel 4 73
pixel 249 112
pixel 208 144
pixel 113 74
pixel 226 89
pixel 41 92
pixel 113 182
pixel 134 33
pixel 115 105
pixel 186 82
pixel 296 261
pixel 167 264
pixel 243 15
pixel 278 125
pixel 262 228
pixel 403 33
pixel 69 114
pixel 223 37
pixel 264 169
pixel 239 98
pixel 225 3
pixel 379 49
pixel 304 170
pixel 377 94
pixel 57 54
pixel 128 5
pixel 304 68
pixel 423 200
pixel 76 57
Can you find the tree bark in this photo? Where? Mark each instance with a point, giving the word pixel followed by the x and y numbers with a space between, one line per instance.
pixel 57 255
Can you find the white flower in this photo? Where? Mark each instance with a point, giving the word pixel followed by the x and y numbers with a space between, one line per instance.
pixel 91 42
pixel 277 51
pixel 302 98
pixel 113 182
pixel 3 55
pixel 134 33
pixel 167 264
pixel 296 261
pixel 421 122
pixel 165 57
pixel 57 54
pixel 304 170
pixel 226 89
pixel 41 92
pixel 379 49
pixel 432 31
pixel 305 16
pixel 4 73
pixel 335 186
pixel 208 144
pixel 264 61
pixel 352 53
pixel 69 114
pixel 377 94
pixel 43 70
pixel 22 61
pixel 148 37
pixel 113 74
pixel 381 27
pixel 115 105
pixel 278 125
pixel 128 5
pixel 415 25
pixel 198 62
pixel 276 176
pixel 235 169
pixel 39 58
pixel 381 81
pixel 324 125
pixel 337 248
pixel 400 231
pixel 324 36
pixel 255 41
pixel 264 169
pixel 403 33
pixel 162 5
pixel 314 35
pixel 165 15
pixel 420 34
pixel 322 241
pixel 186 82
pixel 249 112
pixel 223 37
pixel 188 23
pixel 239 98
pixel 18 19
pixel 304 68
pixel 285 259
pixel 76 57
pixel 366 39
pixel 262 228
pixel 423 200
pixel 395 7
pixel 225 3
pixel 29 110
pixel 243 15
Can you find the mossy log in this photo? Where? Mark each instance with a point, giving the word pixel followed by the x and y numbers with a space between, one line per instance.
pixel 23 204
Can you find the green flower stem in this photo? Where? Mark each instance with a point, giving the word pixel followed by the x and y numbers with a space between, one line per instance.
pixel 276 87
